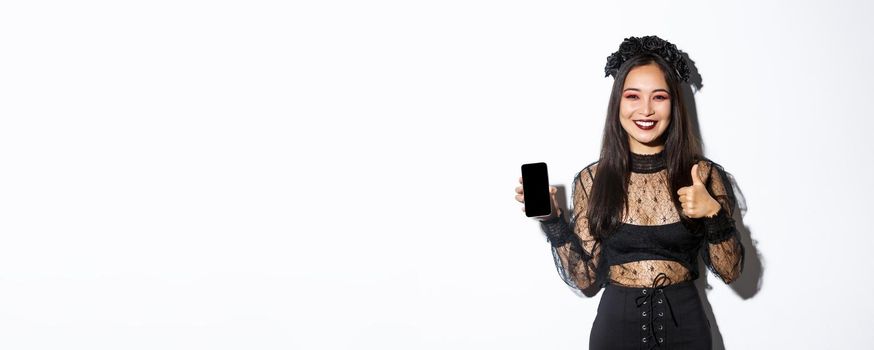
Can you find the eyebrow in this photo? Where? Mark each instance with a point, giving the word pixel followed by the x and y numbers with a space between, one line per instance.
pixel 656 90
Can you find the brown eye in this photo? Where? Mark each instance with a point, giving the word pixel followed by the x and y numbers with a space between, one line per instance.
pixel 662 97
pixel 631 96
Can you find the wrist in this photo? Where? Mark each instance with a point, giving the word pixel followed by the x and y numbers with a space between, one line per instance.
pixel 551 217
pixel 718 227
pixel 558 232
pixel 714 209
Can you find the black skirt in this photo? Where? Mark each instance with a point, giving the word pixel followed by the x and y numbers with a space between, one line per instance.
pixel 667 318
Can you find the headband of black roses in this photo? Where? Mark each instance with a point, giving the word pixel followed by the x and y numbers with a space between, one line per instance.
pixel 633 46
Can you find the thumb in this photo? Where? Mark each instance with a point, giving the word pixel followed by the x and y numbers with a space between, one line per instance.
pixel 695 179
pixel 552 193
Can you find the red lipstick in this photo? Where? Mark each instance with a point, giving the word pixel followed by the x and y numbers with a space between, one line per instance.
pixel 648 124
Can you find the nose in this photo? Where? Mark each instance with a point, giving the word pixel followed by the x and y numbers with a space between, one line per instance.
pixel 648 109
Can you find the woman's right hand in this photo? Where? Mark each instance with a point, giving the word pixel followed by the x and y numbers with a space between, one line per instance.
pixel 520 196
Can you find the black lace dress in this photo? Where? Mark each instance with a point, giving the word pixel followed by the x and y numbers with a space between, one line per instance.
pixel 648 264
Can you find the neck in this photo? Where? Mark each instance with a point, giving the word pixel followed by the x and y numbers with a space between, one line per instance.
pixel 648 162
pixel 640 148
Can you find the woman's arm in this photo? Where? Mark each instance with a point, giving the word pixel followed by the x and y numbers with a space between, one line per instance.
pixel 724 253
pixel 575 251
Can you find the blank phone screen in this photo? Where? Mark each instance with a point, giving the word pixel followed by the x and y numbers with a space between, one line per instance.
pixel 535 185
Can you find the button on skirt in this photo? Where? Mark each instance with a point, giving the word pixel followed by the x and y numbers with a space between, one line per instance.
pixel 667 318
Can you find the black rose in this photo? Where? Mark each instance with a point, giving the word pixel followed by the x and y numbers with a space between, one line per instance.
pixel 613 63
pixel 669 55
pixel 682 69
pixel 652 43
pixel 630 47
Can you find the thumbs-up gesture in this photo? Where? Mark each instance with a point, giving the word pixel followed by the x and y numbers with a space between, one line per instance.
pixel 695 199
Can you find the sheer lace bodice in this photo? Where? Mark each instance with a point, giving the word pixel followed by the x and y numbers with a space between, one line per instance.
pixel 652 239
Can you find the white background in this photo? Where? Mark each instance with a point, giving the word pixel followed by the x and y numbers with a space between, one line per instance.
pixel 340 175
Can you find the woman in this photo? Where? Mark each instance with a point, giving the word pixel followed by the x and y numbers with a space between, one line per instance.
pixel 645 210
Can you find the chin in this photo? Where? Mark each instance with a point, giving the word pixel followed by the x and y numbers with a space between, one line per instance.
pixel 654 141
pixel 649 141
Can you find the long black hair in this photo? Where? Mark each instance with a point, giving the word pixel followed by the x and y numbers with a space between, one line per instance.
pixel 682 150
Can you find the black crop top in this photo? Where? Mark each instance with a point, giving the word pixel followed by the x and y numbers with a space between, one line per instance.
pixel 651 239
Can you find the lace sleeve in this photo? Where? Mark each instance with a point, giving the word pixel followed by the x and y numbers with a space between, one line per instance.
pixel 575 251
pixel 724 253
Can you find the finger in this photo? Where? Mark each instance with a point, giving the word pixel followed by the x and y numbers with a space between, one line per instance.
pixel 690 212
pixel 695 179
pixel 683 199
pixel 519 189
pixel 520 198
pixel 683 190
pixel 520 179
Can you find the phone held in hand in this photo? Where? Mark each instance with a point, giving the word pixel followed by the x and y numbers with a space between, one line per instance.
pixel 535 186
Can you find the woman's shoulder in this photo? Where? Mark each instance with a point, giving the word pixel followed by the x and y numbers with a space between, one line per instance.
pixel 588 172
pixel 717 179
pixel 709 164
pixel 708 169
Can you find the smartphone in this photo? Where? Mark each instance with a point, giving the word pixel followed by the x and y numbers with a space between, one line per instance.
pixel 535 185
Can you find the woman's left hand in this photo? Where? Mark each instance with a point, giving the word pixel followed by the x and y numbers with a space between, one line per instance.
pixel 695 199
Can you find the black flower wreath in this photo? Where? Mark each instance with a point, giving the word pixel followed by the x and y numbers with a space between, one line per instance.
pixel 633 46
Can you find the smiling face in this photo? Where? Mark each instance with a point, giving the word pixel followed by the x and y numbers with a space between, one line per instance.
pixel 645 109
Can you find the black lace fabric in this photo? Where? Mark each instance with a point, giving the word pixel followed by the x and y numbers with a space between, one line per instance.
pixel 725 253
pixel 578 254
pixel 575 251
